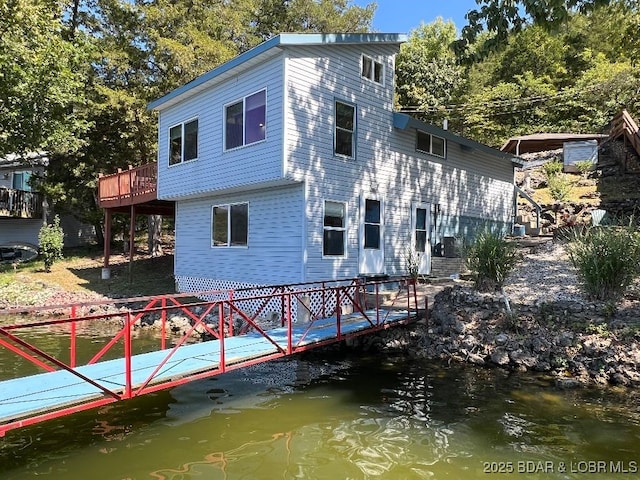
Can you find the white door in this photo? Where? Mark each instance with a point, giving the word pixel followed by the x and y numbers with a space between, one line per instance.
pixel 420 224
pixel 371 256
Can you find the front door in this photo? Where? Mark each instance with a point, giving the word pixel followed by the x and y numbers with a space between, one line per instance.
pixel 420 223
pixel 371 256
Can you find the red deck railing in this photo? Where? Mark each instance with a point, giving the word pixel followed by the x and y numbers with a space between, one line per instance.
pixel 221 315
pixel 128 187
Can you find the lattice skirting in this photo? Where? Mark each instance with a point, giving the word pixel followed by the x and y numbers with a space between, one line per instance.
pixel 266 302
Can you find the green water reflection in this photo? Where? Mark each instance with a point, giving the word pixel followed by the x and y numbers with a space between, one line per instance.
pixel 341 418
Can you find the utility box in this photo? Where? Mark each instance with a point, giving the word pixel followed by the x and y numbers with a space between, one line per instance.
pixel 574 152
pixel 449 247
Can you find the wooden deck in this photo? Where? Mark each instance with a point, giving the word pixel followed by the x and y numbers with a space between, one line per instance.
pixel 135 186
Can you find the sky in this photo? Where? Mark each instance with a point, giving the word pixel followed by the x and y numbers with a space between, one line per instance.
pixel 402 16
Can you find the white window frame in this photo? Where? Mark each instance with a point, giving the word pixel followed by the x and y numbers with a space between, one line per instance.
pixel 353 131
pixel 182 126
pixel 244 121
pixel 343 229
pixel 228 207
pixel 371 76
pixel 431 137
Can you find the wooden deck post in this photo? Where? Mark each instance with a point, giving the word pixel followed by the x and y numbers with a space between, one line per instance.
pixel 106 271
pixel 132 240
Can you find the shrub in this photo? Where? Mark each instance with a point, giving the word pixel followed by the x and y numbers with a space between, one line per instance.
pixel 552 169
pixel 607 260
pixel 412 260
pixel 51 238
pixel 584 167
pixel 491 258
pixel 559 187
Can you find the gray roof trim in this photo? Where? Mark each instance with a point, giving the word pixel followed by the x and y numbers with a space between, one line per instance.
pixel 403 121
pixel 279 41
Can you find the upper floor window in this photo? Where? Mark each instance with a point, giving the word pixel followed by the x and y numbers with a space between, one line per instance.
pixel 345 124
pixel 230 225
pixel 427 143
pixel 372 70
pixel 183 142
pixel 245 121
pixel 334 229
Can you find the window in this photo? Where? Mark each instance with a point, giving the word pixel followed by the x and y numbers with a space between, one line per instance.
pixel 245 121
pixel 372 224
pixel 230 225
pixel 183 142
pixel 333 240
pixel 372 69
pixel 21 181
pixel 428 143
pixel 345 118
pixel 421 230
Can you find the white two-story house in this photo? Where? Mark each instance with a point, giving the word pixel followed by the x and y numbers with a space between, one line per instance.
pixel 288 164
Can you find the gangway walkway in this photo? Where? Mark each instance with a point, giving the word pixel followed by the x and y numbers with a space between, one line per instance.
pixel 236 339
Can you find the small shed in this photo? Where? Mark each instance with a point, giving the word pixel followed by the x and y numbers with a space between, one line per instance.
pixel 574 152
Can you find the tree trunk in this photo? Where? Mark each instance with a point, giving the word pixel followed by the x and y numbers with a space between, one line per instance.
pixel 155 232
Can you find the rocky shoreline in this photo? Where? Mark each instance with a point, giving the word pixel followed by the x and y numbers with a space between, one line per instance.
pixel 540 323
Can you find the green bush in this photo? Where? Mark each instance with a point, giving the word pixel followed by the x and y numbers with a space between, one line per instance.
pixel 51 239
pixel 559 187
pixel 491 258
pixel 584 167
pixel 552 169
pixel 607 260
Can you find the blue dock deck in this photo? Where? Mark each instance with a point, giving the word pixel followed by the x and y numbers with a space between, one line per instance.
pixel 46 393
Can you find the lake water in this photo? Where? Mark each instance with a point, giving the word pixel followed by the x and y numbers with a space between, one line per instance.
pixel 342 416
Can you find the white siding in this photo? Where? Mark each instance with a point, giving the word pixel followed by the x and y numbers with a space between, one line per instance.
pixel 21 230
pixel 467 183
pixel 274 251
pixel 216 169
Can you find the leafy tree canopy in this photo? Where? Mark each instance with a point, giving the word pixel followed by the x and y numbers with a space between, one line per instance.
pixel 42 75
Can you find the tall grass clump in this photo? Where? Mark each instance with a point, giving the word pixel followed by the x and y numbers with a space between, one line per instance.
pixel 491 258
pixel 607 260
pixel 552 169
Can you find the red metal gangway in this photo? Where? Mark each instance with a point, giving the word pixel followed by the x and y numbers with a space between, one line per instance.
pixel 303 316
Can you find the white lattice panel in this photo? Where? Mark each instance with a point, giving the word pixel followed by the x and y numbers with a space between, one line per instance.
pixel 265 301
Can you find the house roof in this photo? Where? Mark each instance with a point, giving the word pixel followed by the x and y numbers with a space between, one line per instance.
pixel 28 160
pixel 541 142
pixel 407 122
pixel 266 50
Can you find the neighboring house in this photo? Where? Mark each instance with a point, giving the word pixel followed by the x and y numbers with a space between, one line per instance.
pixel 288 164
pixel 23 211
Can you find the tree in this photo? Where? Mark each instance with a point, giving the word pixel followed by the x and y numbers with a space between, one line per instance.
pixel 42 77
pixel 427 74
pixel 505 17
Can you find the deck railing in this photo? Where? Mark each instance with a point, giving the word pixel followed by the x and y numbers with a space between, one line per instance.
pixel 20 203
pixel 623 124
pixel 128 187
pixel 222 321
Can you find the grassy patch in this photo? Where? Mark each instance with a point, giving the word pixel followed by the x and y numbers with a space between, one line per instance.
pixel 80 270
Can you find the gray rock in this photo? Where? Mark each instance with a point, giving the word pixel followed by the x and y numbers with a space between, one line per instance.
pixel 500 357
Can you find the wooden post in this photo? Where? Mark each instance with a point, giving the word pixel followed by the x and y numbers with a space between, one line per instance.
pixel 106 274
pixel 132 235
